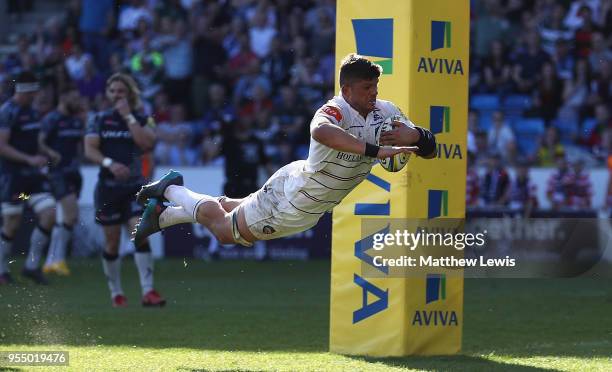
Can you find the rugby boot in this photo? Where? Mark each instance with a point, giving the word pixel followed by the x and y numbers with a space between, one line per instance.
pixel 120 301
pixel 35 275
pixel 156 189
pixel 148 224
pixel 6 279
pixel 153 299
pixel 59 268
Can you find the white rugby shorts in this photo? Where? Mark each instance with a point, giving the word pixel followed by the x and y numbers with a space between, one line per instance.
pixel 268 212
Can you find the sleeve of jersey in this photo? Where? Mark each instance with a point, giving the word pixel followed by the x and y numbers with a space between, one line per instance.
pixel 46 125
pixel 327 114
pixel 93 126
pixel 5 120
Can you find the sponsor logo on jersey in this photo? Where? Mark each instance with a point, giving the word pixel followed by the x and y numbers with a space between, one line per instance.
pixel 333 112
pixel 374 39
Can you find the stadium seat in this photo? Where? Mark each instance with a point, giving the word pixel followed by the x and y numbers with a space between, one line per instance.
pixel 517 102
pixel 486 120
pixel 568 130
pixel 528 133
pixel 588 125
pixel 485 102
pixel 529 126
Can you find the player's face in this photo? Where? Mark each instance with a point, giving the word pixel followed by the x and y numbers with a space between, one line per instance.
pixel 362 95
pixel 116 91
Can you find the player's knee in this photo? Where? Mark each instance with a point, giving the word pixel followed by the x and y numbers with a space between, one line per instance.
pixel 224 238
pixel 70 218
pixel 111 247
pixel 47 218
pixel 223 233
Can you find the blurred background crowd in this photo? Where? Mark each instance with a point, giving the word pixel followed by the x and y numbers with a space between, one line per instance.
pixel 220 74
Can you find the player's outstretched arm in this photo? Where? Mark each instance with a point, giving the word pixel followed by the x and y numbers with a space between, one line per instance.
pixel 403 135
pixel 335 137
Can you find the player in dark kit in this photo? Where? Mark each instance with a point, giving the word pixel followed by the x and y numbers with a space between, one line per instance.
pixel 22 179
pixel 116 139
pixel 60 139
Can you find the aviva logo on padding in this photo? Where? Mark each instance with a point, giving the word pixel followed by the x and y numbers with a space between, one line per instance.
pixel 437 203
pixel 374 39
pixel 439 119
pixel 440 35
pixel 435 288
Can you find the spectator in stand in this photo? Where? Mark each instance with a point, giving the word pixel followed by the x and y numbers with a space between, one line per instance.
pixel 244 62
pixel 174 138
pixel 576 91
pixel 473 118
pixel 495 189
pixel 497 70
pixel 584 34
pixel 489 26
pixel 601 87
pixel 277 64
pixel 523 197
pixel 575 16
pixel 582 189
pixel 261 34
pixel 95 24
pixel 529 62
pixel 602 126
pixel 563 60
pixel 246 87
pixel 132 13
pixel 178 62
pixel 548 94
pixel 501 139
pixel 323 36
pixel 75 64
pixel 291 116
pixel 599 53
pixel 551 148
pixel 472 187
pixel 92 84
pixel 219 114
pixel 560 183
pixel 553 30
pixel 244 154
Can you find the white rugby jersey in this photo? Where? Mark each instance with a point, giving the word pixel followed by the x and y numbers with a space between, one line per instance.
pixel 320 182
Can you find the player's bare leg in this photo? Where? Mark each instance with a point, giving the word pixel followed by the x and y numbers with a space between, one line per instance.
pixel 10 224
pixel 229 204
pixel 191 207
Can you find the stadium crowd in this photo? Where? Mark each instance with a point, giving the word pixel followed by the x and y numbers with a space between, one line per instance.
pixel 218 75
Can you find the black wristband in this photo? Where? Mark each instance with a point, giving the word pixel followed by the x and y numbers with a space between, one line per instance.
pixel 371 150
pixel 426 143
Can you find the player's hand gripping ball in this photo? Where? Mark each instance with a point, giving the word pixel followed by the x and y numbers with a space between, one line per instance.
pixel 398 161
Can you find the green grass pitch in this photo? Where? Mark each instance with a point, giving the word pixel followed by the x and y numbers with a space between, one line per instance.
pixel 274 316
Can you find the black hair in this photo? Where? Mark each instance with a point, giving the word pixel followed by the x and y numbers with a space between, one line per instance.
pixel 355 67
pixel 26 77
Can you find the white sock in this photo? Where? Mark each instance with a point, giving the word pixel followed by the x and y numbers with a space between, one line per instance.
pixel 5 252
pixel 144 263
pixel 51 254
pixel 65 234
pixel 112 270
pixel 173 216
pixel 186 198
pixel 38 241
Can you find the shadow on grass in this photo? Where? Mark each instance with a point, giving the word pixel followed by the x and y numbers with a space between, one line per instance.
pixel 447 363
pixel 284 307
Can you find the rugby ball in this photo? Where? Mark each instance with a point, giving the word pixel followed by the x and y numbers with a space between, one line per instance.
pixel 399 161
